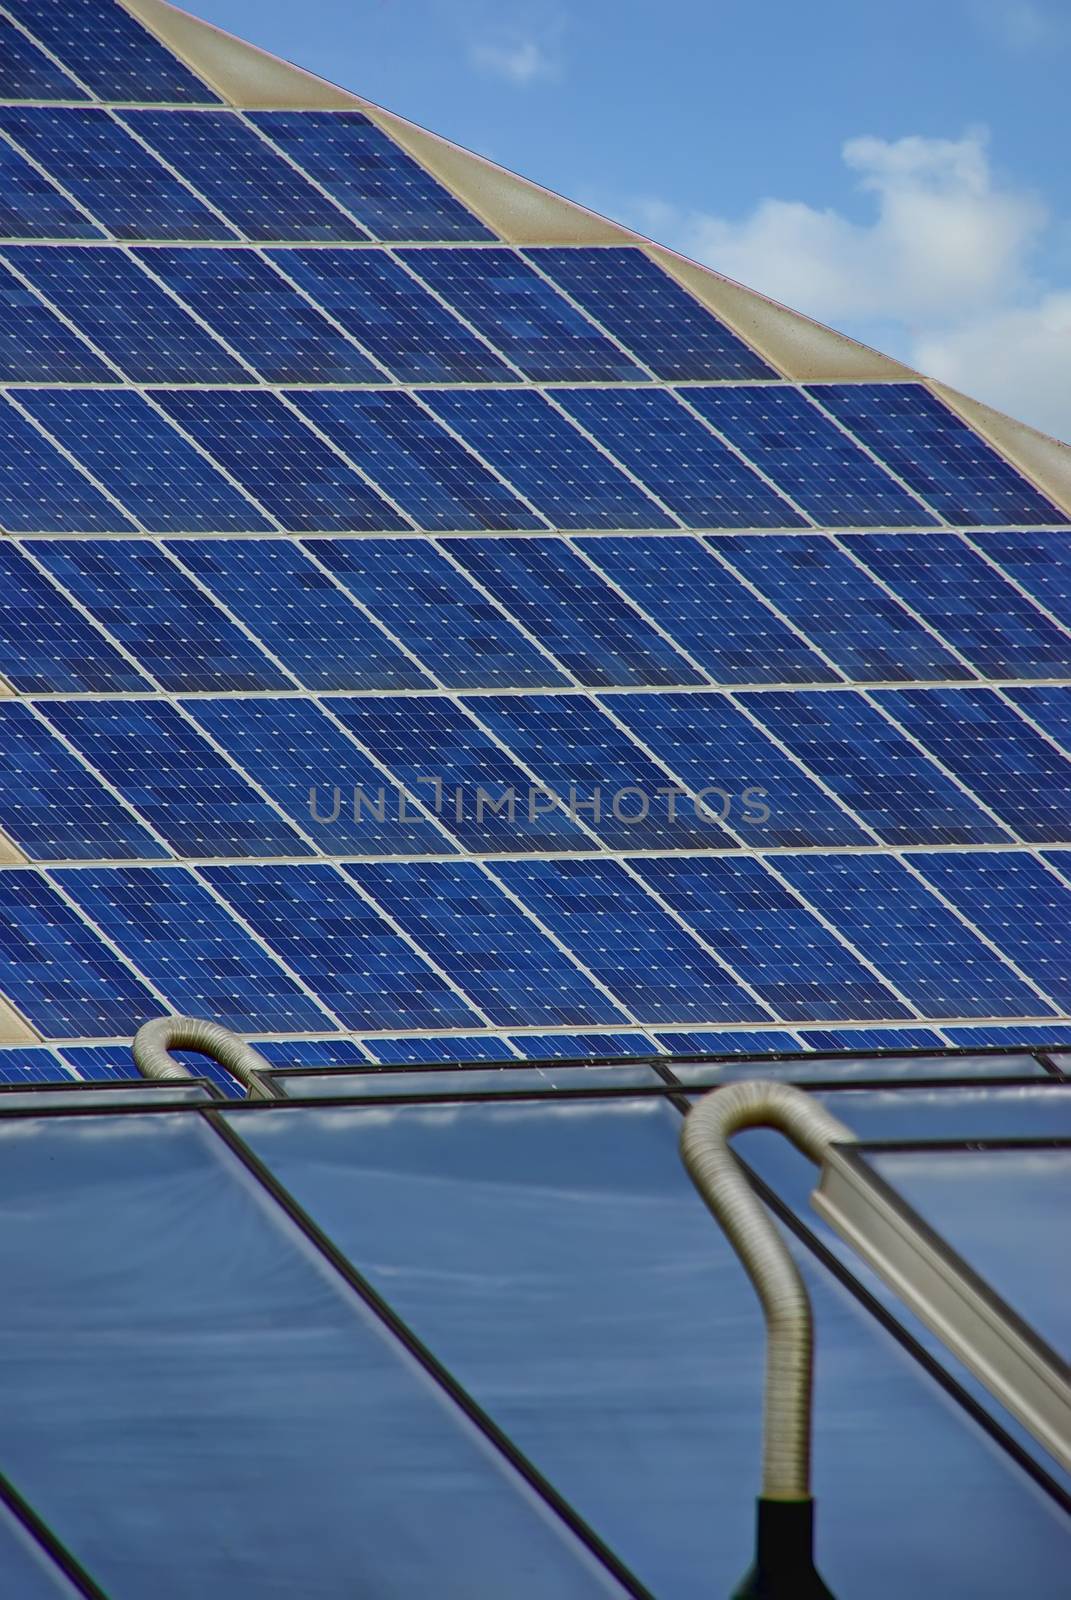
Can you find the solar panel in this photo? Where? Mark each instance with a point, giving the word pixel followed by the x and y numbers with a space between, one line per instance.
pixel 26 73
pixel 109 51
pixel 48 645
pixel 36 347
pixel 31 207
pixel 1040 562
pixel 1048 707
pixel 41 489
pixel 424 1049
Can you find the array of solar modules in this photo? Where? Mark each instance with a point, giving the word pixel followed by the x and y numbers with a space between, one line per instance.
pixel 425 648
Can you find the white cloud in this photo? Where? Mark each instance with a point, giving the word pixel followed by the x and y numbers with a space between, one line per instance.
pixel 945 265
pixel 519 61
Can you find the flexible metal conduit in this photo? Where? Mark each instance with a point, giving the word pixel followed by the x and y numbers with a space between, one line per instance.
pixel 786 1467
pixel 155 1040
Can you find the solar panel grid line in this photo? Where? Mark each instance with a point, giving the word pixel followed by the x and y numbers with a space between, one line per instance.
pixel 10 264
pixel 496 472
pixel 370 616
pixel 45 50
pixel 681 396
pixel 812 392
pixel 285 156
pixel 528 257
pixel 138 258
pixel 49 878
pixel 291 405
pixel 149 397
pixel 934 760
pixel 976 546
pixel 772 606
pixel 1000 692
pixel 583 554
pixel 55 184
pixel 10 397
pixel 40 713
pixel 456 312
pixel 123 120
pixel 1026 559
pixel 633 477
pixel 87 615
pixel 972 926
pixel 269 257
pixel 503 610
pixel 847 549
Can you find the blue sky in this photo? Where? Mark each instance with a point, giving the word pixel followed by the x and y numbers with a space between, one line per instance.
pixel 898 171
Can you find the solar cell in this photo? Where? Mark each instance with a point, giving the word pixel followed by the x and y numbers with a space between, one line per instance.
pixel 182 939
pixel 808 457
pixel 849 617
pixel 935 453
pixel 422 600
pixel 876 1039
pixel 26 73
pixel 704 609
pixel 173 778
pixel 435 480
pixel 303 618
pixel 97 162
pixel 1015 902
pixel 298 479
pixel 621 936
pixel 650 313
pixel 334 1052
pixel 575 1046
pixel 1049 706
pixel 959 594
pixel 1041 562
pixel 110 52
pixel 712 746
pixel 31 207
pixel 317 776
pixel 495 953
pixel 588 626
pixel 537 451
pixel 723 1043
pixel 446 761
pixel 29 1066
pixel 881 775
pixel 259 315
pixel 135 453
pixel 369 174
pixel 772 941
pixel 45 644
pixel 239 173
pixel 151 608
pixel 426 1050
pixel 392 314
pixel 52 807
pixel 128 317
pixel 1009 766
pixel 608 782
pixel 522 315
pixel 679 459
pixel 889 917
pixel 335 941
pixel 57 971
pixel 40 490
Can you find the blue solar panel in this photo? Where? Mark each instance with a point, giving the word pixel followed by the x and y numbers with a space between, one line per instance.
pixel 868 1039
pixel 435 480
pixel 141 459
pixel 684 590
pixel 881 775
pixel 809 457
pixel 607 781
pixel 26 73
pixel 690 470
pixel 226 161
pixel 727 1043
pixel 109 51
pixel 627 941
pixel 363 971
pixel 35 346
pixel 769 938
pixel 577 1046
pixel 393 316
pixel 302 617
pixel 448 763
pixel 650 313
pixel 370 175
pixel 1041 562
pixel 259 315
pixel 173 778
pixel 153 610
pixel 521 436
pixel 935 453
pixel 40 491
pixel 420 1050
pixel 937 963
pixel 31 207
pixel 29 1066
pixel 190 948
pixel 492 950
pixel 45 644
pixel 302 483
pixel 1014 901
pixel 334 1052
pixel 311 770
pixel 126 315
pixel 848 616
pixel 52 807
pixel 522 315
pixel 416 594
pixel 711 745
pixel 959 594
pixel 57 971
pixel 108 172
pixel 587 625
pixel 1004 762
pixel 1049 706
pixel 1033 1034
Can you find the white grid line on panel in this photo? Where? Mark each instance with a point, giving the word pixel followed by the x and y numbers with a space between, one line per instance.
pixel 48 876
pixel 741 455
pixel 54 183
pixel 836 539
pixel 98 627
pixel 217 338
pixel 163 161
pixel 515 622
pixel 419 396
pixel 149 397
pixel 333 201
pixel 890 472
pixel 266 254
pixel 1002 572
pixel 82 470
pixel 284 397
pixel 570 540
pixel 457 315
pixel 56 62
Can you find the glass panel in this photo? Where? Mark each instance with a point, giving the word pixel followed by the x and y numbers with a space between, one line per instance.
pixel 96 1098
pixel 826 1069
pixel 200 1406
pixel 1005 1213
pixel 471 1080
pixel 558 1259
pixel 29 1573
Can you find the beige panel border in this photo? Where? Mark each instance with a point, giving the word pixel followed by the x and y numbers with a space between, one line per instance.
pixel 524 213
pixel 13 1029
